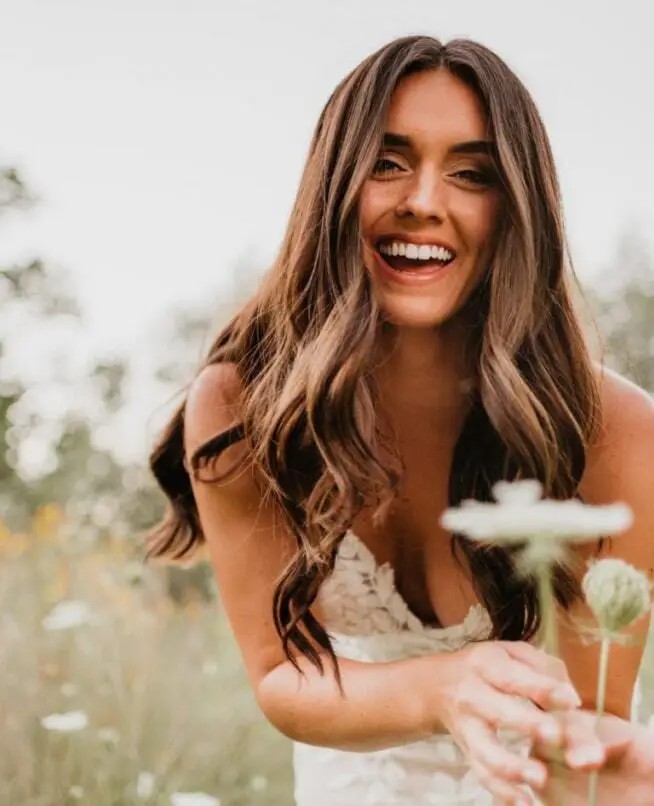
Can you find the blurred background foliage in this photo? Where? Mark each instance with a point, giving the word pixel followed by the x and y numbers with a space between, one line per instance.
pixel 148 658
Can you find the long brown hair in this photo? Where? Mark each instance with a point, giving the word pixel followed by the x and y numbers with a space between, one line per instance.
pixel 303 347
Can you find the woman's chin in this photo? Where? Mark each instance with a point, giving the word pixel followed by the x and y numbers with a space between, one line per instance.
pixel 417 314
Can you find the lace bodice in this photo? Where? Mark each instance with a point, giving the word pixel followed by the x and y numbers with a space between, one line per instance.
pixel 360 599
pixel 368 620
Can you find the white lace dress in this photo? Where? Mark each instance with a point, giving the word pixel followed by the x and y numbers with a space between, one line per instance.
pixel 368 620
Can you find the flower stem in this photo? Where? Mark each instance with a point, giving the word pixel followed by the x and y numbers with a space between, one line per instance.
pixel 601 695
pixel 551 646
pixel 548 610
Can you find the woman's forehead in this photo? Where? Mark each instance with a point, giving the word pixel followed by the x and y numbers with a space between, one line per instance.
pixel 436 104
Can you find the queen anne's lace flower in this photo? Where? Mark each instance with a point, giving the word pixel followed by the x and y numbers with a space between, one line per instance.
pixel 520 513
pixel 616 592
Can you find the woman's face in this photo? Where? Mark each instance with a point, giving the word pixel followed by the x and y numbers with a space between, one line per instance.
pixel 428 189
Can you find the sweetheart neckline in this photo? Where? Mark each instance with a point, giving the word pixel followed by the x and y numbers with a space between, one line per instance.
pixel 476 610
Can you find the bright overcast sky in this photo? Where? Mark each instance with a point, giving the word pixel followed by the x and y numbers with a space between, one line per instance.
pixel 166 137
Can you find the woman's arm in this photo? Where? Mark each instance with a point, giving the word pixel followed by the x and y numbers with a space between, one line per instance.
pixel 385 704
pixel 398 702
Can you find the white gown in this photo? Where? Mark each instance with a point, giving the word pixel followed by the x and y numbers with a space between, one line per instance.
pixel 368 620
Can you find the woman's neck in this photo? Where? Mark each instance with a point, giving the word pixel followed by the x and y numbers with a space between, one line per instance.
pixel 425 380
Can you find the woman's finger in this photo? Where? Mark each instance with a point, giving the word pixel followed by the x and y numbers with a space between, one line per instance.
pixel 501 763
pixel 537 659
pixel 523 681
pixel 512 713
pixel 583 750
pixel 503 792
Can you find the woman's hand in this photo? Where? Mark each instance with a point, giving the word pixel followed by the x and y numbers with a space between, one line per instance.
pixel 480 691
pixel 627 775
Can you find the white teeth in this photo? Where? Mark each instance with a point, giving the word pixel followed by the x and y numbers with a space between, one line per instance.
pixel 416 251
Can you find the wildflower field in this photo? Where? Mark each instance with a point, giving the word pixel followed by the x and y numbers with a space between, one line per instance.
pixel 115 693
pixel 122 684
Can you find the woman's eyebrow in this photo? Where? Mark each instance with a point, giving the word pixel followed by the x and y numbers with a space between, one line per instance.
pixel 394 140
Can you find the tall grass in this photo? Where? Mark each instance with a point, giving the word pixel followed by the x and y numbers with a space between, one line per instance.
pixel 162 684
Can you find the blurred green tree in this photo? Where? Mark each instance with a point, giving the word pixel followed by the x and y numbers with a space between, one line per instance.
pixel 24 288
pixel 97 491
pixel 623 299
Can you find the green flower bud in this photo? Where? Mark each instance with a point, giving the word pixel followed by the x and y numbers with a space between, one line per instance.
pixel 616 592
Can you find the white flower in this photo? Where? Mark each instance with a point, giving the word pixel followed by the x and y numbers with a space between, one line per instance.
pixel 65 723
pixel 616 592
pixel 145 784
pixel 76 792
pixel 68 614
pixel 515 493
pixel 193 799
pixel 520 514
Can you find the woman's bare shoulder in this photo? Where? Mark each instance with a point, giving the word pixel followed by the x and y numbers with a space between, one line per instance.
pixel 213 405
pixel 618 464
pixel 216 384
pixel 627 410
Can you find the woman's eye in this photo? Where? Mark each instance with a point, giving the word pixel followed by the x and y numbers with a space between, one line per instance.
pixel 477 177
pixel 387 162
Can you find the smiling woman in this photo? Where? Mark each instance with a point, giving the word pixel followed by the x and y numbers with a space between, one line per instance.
pixel 414 342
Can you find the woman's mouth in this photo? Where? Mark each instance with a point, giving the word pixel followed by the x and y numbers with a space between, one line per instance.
pixel 421 264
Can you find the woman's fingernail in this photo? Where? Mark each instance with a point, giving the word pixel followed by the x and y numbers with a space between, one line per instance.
pixel 565 697
pixel 581 756
pixel 534 776
pixel 550 733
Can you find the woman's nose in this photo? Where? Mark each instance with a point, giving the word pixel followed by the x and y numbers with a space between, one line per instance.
pixel 426 197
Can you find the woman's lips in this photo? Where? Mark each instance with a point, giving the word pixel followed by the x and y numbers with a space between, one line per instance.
pixel 411 276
